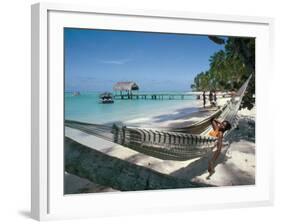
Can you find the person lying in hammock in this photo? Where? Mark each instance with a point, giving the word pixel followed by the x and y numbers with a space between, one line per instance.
pixel 218 130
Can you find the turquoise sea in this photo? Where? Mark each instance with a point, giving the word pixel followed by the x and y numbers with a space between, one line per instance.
pixel 86 108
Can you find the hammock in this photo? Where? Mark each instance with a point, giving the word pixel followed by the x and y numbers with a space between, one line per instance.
pixel 172 144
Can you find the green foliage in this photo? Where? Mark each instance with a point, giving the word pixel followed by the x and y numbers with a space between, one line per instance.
pixel 201 81
pixel 230 68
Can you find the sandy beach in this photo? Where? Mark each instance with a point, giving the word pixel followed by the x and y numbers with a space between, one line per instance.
pixel 235 166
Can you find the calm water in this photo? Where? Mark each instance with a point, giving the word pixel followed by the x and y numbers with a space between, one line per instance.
pixel 87 108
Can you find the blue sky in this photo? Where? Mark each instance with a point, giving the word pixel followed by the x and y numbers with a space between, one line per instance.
pixel 96 59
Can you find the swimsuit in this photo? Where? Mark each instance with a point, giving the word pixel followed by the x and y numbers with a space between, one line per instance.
pixel 214 133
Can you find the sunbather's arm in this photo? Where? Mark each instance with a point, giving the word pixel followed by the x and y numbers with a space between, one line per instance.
pixel 214 123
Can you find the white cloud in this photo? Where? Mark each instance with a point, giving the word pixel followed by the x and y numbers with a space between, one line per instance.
pixel 115 62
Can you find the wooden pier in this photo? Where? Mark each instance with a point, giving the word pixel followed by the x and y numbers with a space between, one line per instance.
pixel 153 96
pixel 129 91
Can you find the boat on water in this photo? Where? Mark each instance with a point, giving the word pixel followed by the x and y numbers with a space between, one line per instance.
pixel 106 98
pixel 77 93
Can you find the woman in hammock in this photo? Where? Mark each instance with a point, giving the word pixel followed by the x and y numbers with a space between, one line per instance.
pixel 218 130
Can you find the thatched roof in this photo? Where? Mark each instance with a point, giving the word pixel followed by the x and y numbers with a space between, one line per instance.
pixel 123 86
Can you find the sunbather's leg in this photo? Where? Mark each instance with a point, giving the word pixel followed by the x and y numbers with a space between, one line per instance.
pixel 211 165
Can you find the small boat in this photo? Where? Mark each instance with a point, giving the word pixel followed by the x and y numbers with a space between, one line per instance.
pixel 76 93
pixel 106 98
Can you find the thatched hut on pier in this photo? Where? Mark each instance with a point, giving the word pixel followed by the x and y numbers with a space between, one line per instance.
pixel 125 89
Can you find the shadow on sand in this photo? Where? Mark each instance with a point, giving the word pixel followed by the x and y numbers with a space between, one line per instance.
pixel 199 166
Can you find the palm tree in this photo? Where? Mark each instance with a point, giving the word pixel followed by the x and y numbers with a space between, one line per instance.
pixel 229 68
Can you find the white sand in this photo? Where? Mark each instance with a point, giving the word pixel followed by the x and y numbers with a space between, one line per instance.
pixel 170 117
pixel 236 165
pixel 177 118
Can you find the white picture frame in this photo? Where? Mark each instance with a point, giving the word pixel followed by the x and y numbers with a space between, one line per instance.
pixel 48 201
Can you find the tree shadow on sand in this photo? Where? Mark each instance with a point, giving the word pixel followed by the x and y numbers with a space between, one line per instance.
pixel 245 130
pixel 178 114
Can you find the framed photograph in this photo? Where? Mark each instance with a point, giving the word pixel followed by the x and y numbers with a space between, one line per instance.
pixel 148 111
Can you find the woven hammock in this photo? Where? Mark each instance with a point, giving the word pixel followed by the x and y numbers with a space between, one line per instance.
pixel 172 144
